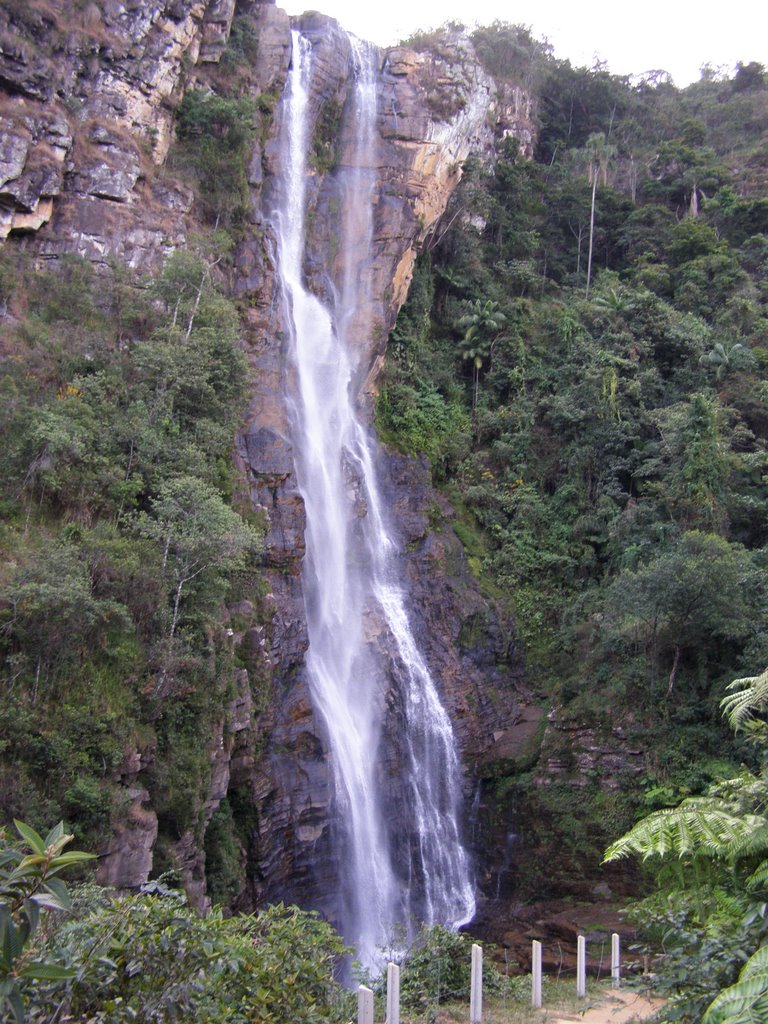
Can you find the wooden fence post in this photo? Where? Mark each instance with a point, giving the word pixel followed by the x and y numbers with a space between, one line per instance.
pixel 476 991
pixel 364 1005
pixel 615 960
pixel 536 975
pixel 581 967
pixel 393 994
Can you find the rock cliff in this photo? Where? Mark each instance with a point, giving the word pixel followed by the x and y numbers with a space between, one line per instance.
pixel 88 95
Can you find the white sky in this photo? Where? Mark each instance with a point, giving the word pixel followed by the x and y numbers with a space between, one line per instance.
pixel 677 36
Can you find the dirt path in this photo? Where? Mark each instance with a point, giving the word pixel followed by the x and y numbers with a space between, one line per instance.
pixel 618 1007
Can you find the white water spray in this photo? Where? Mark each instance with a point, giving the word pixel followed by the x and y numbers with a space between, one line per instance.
pixel 410 866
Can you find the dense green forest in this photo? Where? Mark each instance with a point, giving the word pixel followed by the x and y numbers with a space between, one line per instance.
pixel 593 396
pixel 583 357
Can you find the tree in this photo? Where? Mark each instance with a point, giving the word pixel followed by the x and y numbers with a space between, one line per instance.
pixel 729 825
pixel 30 886
pixel 483 321
pixel 50 614
pixel 199 534
pixel 696 592
pixel 599 153
pixel 726 356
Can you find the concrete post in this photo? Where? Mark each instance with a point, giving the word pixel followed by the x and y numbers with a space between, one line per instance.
pixel 393 994
pixel 536 975
pixel 615 960
pixel 581 967
pixel 364 1005
pixel 476 991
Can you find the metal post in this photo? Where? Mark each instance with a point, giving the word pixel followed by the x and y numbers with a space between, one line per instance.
pixel 393 994
pixel 476 991
pixel 581 967
pixel 364 1005
pixel 536 975
pixel 615 960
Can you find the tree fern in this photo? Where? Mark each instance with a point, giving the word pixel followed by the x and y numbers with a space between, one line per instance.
pixel 730 825
pixel 750 696
pixel 753 844
pixel 745 1002
pixel 759 878
pixel 700 825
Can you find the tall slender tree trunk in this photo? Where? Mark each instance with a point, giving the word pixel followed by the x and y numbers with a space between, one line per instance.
pixel 176 603
pixel 475 392
pixel 591 233
pixel 673 673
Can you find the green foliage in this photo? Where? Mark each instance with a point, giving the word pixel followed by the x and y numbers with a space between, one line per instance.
pixel 510 52
pixel 747 999
pixel 31 887
pixel 703 942
pixel 223 853
pixel 118 544
pixel 215 137
pixel 716 917
pixel 613 489
pixel 199 535
pixel 436 968
pixel 324 152
pixel 703 589
pixel 150 957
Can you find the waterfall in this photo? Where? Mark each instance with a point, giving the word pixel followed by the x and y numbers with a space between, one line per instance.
pixel 411 866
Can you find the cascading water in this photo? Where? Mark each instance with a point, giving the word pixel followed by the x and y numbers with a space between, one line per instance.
pixel 417 871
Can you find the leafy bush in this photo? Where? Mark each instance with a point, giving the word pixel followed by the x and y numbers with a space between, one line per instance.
pixel 215 136
pixel 150 957
pixel 437 968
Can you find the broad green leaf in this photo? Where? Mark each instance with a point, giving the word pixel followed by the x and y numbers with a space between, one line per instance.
pixel 10 942
pixel 30 861
pixel 57 888
pixel 47 972
pixel 50 901
pixel 71 857
pixel 57 834
pixel 32 838
pixel 32 912
pixel 16 1003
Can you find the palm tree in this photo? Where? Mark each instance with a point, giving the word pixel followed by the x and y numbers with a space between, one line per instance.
pixel 725 356
pixel 599 152
pixel 483 321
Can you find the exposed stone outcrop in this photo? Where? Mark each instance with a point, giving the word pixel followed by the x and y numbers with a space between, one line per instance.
pixel 87 109
pixel 127 861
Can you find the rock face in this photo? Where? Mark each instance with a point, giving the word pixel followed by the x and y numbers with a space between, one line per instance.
pixel 432 113
pixel 87 100
pixel 87 111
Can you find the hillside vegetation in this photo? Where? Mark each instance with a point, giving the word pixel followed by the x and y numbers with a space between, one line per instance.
pixel 604 418
pixel 584 358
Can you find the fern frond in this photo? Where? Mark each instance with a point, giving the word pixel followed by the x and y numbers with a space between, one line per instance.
pixel 759 877
pixel 746 787
pixel 745 1002
pixel 752 843
pixel 699 825
pixel 757 964
pixel 750 696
